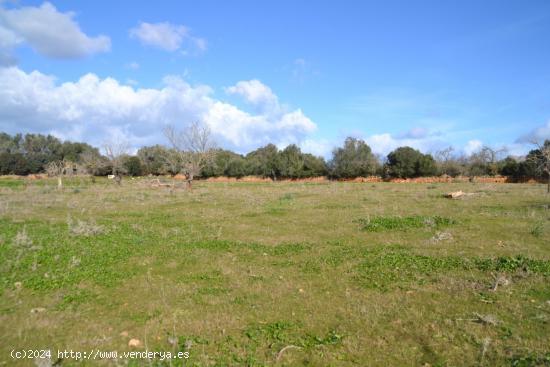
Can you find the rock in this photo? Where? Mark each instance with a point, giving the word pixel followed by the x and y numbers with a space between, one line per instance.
pixel 38 310
pixel 134 343
pixel 457 194
pixel 454 195
pixel 18 285
pixel 124 334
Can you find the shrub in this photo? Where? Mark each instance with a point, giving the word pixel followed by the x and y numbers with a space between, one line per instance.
pixel 405 162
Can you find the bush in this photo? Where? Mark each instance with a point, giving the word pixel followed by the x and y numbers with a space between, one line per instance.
pixel 405 162
pixel 354 159
pixel 133 166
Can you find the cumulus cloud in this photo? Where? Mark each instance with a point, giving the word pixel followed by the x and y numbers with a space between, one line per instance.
pixel 257 94
pixel 167 36
pixel 48 31
pixel 94 109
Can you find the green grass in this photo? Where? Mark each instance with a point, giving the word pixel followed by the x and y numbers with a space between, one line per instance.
pixel 234 273
pixel 380 223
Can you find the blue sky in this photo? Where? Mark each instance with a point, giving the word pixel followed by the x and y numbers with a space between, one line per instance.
pixel 423 73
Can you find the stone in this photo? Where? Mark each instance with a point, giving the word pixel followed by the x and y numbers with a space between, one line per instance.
pixel 134 343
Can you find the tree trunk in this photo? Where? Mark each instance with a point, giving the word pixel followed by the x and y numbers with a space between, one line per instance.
pixel 59 183
pixel 190 177
pixel 548 187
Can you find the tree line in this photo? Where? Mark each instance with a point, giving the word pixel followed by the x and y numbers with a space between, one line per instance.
pixel 36 153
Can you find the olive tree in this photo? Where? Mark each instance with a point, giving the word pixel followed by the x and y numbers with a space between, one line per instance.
pixel 405 162
pixel 354 159
pixel 194 149
pixel 540 157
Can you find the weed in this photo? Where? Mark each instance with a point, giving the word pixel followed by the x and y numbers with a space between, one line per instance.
pixel 530 359
pixel 537 229
pixel 380 223
pixel 384 268
pixel 22 240
pixel 82 228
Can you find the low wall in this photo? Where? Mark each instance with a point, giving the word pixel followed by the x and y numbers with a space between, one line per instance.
pixel 368 179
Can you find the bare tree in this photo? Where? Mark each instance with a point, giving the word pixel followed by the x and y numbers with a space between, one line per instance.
pixel 485 161
pixel 91 163
pixel 59 169
pixel 541 158
pixel 444 155
pixel 193 147
pixel 115 152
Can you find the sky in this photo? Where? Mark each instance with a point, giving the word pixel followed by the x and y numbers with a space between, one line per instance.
pixel 427 74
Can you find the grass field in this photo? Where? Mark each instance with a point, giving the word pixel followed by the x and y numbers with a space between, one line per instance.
pixel 340 273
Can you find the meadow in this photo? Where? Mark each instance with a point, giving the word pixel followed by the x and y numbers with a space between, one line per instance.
pixel 289 274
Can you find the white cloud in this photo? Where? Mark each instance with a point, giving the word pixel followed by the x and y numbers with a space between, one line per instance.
pixel 167 36
pixel 318 147
pixel 472 146
pixel 48 31
pixel 94 110
pixel 384 143
pixel 256 93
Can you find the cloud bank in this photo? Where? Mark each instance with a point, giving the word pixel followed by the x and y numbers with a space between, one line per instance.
pixel 94 110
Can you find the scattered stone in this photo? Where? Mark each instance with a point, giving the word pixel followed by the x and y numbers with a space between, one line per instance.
pixel 301 290
pixel 38 310
pixel 134 343
pixel 457 194
pixel 18 285
pixel 124 334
